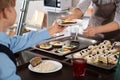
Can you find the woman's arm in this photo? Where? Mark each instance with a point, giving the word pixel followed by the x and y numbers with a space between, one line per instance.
pixel 112 26
pixel 79 10
pixel 92 31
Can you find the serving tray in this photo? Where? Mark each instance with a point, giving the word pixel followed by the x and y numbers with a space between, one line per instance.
pixel 98 64
pixel 84 42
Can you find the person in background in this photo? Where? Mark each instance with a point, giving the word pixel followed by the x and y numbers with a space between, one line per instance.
pixel 104 21
pixel 10 45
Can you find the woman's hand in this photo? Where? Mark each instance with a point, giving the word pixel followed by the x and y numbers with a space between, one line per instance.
pixel 90 31
pixel 55 28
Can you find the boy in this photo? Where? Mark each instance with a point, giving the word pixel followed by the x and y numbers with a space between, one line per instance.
pixel 16 43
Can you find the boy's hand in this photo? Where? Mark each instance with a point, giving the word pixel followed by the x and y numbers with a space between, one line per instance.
pixel 55 28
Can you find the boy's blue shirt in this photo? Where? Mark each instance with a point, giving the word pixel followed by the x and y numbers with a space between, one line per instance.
pixel 16 44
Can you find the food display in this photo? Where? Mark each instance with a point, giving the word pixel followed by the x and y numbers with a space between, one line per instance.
pixel 105 52
pixel 57 46
pixel 62 46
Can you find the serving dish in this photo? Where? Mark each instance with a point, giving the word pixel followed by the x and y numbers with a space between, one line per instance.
pixel 98 64
pixel 64 43
pixel 103 55
pixel 66 22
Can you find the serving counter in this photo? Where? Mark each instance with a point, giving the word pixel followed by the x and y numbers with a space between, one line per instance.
pixel 92 73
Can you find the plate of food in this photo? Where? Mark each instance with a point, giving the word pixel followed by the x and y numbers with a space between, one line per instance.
pixel 69 22
pixel 45 46
pixel 63 50
pixel 56 44
pixel 70 47
pixel 38 65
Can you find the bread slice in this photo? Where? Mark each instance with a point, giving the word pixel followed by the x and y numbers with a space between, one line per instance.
pixel 35 61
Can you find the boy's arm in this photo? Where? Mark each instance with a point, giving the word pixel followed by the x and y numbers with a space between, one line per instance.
pixel 19 43
pixel 29 39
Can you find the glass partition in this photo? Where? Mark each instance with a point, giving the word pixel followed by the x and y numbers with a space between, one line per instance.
pixel 32 14
pixel 117 72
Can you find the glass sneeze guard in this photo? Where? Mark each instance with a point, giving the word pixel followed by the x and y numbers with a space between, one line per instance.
pixel 117 71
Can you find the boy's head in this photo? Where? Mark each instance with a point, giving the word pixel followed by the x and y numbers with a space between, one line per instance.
pixel 6 3
pixel 7 13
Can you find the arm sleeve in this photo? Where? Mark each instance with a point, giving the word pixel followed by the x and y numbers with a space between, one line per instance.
pixel 19 43
pixel 117 13
pixel 83 5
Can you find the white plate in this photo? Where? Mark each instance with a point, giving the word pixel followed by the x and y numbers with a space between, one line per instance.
pixel 78 22
pixel 57 65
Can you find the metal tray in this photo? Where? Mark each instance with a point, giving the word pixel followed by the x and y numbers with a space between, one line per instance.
pixel 99 64
pixel 84 42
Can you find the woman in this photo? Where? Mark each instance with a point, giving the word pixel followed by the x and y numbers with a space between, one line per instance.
pixel 105 19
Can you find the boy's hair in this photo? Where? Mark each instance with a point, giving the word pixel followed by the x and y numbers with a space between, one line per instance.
pixel 6 3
